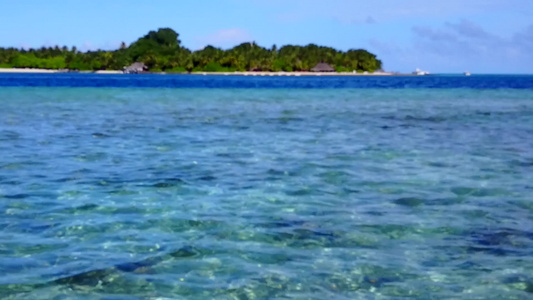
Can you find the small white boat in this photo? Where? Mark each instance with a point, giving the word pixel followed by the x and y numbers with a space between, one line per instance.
pixel 467 73
pixel 420 72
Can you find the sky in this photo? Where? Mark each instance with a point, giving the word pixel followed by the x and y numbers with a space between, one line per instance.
pixel 440 36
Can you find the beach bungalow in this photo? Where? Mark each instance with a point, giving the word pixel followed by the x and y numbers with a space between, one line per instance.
pixel 136 68
pixel 323 67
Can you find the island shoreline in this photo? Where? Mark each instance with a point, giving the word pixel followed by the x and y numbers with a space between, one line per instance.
pixel 247 73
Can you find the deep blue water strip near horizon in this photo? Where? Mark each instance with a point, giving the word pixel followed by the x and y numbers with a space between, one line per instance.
pixel 268 82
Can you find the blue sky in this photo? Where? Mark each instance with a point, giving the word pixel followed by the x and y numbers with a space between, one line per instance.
pixel 441 36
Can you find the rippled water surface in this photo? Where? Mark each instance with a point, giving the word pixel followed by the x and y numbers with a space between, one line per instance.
pixel 153 193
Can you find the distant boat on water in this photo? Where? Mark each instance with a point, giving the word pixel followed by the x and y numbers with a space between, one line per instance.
pixel 467 73
pixel 420 72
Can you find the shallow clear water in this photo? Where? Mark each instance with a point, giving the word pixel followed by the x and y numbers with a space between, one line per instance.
pixel 136 193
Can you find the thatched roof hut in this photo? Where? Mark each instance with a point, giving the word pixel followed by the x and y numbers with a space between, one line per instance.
pixel 323 67
pixel 135 68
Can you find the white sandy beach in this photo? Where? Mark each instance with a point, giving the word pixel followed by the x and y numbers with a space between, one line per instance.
pixel 109 72
pixel 296 73
pixel 15 70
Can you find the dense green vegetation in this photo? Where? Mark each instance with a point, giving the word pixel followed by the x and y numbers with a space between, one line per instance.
pixel 161 50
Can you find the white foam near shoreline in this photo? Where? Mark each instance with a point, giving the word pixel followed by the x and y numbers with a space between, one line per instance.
pixel 29 70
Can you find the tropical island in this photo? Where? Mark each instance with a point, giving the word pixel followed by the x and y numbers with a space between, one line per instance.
pixel 161 51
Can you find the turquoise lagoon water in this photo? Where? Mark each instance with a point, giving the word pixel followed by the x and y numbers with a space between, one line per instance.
pixel 195 193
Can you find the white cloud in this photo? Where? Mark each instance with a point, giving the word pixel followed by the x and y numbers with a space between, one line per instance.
pixel 370 20
pixel 434 35
pixel 25 46
pixel 108 45
pixel 111 45
pixel 457 47
pixel 225 38
pixel 524 38
pixel 87 46
pixel 351 11
pixel 469 29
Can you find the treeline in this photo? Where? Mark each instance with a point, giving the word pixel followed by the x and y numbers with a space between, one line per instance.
pixel 161 50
